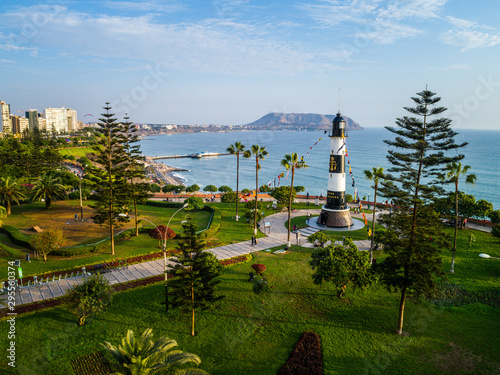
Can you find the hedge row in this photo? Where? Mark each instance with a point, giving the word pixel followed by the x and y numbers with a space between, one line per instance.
pixel 165 204
pixel 305 357
pixel 16 236
pixel 214 225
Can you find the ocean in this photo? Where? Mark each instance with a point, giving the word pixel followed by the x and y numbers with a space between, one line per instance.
pixel 365 149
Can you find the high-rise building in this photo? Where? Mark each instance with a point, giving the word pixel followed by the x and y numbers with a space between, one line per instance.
pixel 6 123
pixel 42 123
pixel 72 120
pixel 32 116
pixel 57 119
pixel 19 124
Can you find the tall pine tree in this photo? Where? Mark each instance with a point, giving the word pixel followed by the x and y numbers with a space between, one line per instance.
pixel 418 154
pixel 134 171
pixel 193 286
pixel 111 187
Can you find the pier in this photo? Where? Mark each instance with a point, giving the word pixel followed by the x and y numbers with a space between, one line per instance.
pixel 198 155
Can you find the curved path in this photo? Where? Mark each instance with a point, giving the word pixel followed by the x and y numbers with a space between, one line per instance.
pixel 276 236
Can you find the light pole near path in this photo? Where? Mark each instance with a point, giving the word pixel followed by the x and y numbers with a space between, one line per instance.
pixel 164 249
pixel 80 188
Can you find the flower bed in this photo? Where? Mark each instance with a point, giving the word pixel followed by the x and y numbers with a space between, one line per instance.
pixel 305 357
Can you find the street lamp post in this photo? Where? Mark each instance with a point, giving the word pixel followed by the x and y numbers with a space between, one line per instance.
pixel 164 248
pixel 80 188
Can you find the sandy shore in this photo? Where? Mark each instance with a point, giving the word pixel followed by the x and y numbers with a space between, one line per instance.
pixel 164 173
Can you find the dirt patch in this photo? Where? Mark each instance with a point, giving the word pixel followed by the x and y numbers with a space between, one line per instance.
pixel 456 361
pixel 62 216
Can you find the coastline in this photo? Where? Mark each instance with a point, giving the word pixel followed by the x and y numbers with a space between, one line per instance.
pixel 164 173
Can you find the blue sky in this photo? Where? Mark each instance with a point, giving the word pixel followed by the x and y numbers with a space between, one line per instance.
pixel 233 61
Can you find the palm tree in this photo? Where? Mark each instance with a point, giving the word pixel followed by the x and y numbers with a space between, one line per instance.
pixel 147 357
pixel 10 191
pixel 453 173
pixel 236 149
pixel 260 153
pixel 375 175
pixel 47 188
pixel 291 161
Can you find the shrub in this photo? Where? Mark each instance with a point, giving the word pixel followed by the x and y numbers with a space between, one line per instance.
pixel 16 236
pixel 92 296
pixel 194 203
pixel 159 233
pixel 259 268
pixel 305 357
pixel 318 236
pixel 495 231
pixel 164 204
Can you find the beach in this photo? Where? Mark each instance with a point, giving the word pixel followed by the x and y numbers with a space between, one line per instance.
pixel 164 173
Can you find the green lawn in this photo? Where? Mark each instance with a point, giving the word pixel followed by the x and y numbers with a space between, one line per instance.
pixel 245 336
pixel 25 216
pixel 76 151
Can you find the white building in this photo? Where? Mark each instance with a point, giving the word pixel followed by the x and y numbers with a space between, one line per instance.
pixel 57 119
pixel 5 121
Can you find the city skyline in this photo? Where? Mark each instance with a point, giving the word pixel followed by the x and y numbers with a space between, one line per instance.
pixel 233 61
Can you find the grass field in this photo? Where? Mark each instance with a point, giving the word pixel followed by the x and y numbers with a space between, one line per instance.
pixel 76 151
pixel 249 335
pixel 61 216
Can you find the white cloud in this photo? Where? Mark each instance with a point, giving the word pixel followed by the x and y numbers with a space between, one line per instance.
pixel 211 45
pixel 418 9
pixel 469 35
pixel 468 39
pixel 452 67
pixel 381 21
pixel 146 6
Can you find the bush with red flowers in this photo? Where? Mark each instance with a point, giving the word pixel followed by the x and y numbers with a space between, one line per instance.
pixel 305 357
pixel 259 268
pixel 159 233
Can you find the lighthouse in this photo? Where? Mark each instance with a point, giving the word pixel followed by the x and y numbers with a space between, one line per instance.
pixel 335 213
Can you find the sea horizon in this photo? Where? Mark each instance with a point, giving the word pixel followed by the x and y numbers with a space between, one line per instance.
pixel 365 148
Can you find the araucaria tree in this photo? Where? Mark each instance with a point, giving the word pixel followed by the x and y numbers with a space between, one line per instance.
pixel 453 173
pixel 292 162
pixel 259 153
pixel 375 175
pixel 415 237
pixel 193 286
pixel 112 188
pixel 237 149
pixel 134 171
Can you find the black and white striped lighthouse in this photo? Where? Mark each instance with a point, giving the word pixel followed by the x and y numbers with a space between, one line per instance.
pixel 335 212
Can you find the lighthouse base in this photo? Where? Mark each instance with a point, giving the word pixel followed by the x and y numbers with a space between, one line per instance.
pixel 335 218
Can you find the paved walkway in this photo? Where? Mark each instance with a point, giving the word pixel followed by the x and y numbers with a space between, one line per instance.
pixel 276 236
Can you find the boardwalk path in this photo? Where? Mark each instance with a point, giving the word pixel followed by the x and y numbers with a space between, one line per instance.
pixel 276 237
